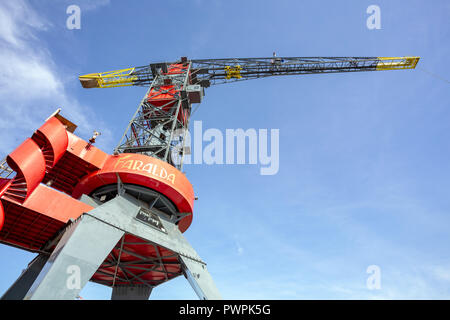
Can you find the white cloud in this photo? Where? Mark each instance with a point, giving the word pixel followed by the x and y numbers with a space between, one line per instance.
pixel 31 86
pixel 17 20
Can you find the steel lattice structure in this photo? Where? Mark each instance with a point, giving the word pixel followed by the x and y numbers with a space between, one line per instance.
pixel 163 110
pixel 161 120
pixel 216 71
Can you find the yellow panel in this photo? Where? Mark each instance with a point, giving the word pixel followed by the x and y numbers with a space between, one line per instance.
pixel 117 78
pixel 394 63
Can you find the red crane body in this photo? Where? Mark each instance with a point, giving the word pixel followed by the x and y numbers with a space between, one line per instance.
pixel 54 168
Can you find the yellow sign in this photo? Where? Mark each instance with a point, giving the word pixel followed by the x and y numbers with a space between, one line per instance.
pixel 138 165
pixel 233 72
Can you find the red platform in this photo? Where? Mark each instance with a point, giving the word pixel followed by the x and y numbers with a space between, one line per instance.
pixel 54 168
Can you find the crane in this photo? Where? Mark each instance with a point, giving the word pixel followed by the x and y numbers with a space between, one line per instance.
pixel 162 116
pixel 117 219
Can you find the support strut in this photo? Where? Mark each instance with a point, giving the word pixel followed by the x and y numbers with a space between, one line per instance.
pixel 88 242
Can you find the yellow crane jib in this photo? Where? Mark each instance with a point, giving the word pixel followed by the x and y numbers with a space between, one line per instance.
pixel 109 79
pixel 233 72
pixel 393 63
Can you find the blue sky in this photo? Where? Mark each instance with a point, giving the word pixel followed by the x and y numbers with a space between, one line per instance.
pixel 364 160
